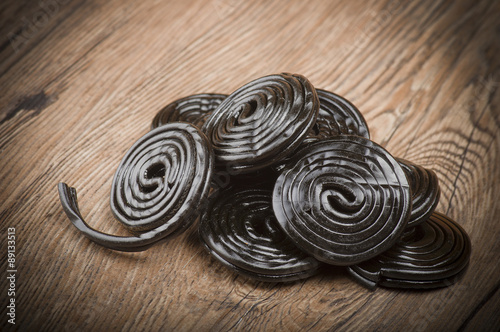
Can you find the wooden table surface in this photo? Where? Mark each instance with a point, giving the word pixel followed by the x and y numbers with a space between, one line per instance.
pixel 81 81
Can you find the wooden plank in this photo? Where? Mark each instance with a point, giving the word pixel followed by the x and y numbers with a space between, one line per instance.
pixel 87 81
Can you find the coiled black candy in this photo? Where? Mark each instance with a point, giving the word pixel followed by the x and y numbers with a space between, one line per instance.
pixel 156 189
pixel 336 116
pixel 194 109
pixel 433 254
pixel 343 200
pixel 240 230
pixel 262 122
pixel 425 191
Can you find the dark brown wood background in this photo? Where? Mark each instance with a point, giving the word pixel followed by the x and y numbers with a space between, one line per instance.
pixel 80 81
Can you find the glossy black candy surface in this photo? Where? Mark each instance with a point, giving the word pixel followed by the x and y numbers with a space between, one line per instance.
pixel 425 191
pixel 262 122
pixel 433 254
pixel 343 200
pixel 194 109
pixel 156 189
pixel 336 116
pixel 240 230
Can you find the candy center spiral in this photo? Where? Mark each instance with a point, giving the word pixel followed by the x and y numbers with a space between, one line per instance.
pixel 343 200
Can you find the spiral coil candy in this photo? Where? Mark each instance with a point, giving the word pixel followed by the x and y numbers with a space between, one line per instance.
pixel 239 229
pixel 425 191
pixel 262 122
pixel 343 200
pixel 156 188
pixel 337 116
pixel 194 109
pixel 433 254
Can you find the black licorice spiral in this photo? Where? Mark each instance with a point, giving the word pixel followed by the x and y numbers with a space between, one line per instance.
pixel 433 254
pixel 194 109
pixel 343 200
pixel 337 116
pixel 425 191
pixel 156 189
pixel 239 229
pixel 262 122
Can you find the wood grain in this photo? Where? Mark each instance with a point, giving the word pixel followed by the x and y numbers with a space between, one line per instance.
pixel 82 80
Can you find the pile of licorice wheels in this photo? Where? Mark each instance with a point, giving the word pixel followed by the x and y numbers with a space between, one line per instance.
pixel 285 180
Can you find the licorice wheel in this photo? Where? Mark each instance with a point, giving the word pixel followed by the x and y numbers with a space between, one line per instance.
pixel 156 189
pixel 239 229
pixel 433 254
pixel 425 191
pixel 343 200
pixel 336 116
pixel 194 109
pixel 262 122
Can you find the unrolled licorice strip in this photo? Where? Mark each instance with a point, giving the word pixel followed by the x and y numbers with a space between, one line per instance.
pixel 425 191
pixel 433 254
pixel 343 200
pixel 156 189
pixel 240 230
pixel 262 122
pixel 194 109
